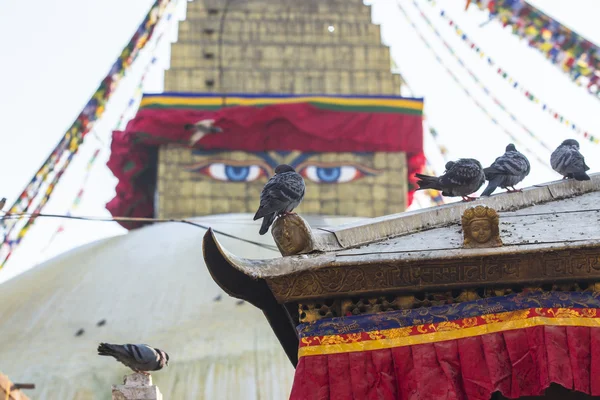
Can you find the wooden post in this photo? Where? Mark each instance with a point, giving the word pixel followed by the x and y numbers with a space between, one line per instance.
pixel 136 387
pixel 9 390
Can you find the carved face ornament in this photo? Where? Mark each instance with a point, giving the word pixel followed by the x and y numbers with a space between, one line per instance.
pixel 481 227
pixel 481 230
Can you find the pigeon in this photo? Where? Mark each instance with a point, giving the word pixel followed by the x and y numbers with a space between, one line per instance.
pixel 461 178
pixel 508 170
pixel 139 357
pixel 282 193
pixel 201 129
pixel 568 161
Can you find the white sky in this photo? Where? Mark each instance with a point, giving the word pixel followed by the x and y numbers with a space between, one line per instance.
pixel 55 54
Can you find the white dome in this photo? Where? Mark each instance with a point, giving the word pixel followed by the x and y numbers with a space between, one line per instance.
pixel 151 286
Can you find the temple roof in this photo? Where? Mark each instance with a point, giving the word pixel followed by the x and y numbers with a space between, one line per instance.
pixel 436 232
pixel 422 250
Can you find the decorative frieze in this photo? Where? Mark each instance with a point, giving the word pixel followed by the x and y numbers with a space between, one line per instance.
pixel 534 267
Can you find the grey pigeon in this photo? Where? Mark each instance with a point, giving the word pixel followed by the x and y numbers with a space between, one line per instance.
pixel 201 129
pixel 508 170
pixel 139 357
pixel 282 193
pixel 461 178
pixel 568 161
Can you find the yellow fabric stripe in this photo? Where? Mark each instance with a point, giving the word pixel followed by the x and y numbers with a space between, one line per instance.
pixel 215 101
pixel 447 335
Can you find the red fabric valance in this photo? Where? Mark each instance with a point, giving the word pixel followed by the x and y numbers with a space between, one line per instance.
pixel 516 363
pixel 516 345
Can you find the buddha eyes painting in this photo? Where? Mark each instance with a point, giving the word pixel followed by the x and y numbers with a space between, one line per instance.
pixel 229 171
pixel 224 181
pixel 306 164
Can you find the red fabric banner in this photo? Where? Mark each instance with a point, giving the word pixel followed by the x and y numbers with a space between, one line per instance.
pixel 522 362
pixel 287 126
pixel 296 126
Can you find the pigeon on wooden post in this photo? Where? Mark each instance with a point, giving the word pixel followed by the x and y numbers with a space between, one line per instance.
pixel 461 178
pixel 508 170
pixel 282 193
pixel 139 357
pixel 569 162
pixel 201 129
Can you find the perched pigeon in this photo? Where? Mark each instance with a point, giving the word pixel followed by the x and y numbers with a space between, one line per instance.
pixel 201 129
pixel 138 357
pixel 282 193
pixel 508 170
pixel 461 178
pixel 568 161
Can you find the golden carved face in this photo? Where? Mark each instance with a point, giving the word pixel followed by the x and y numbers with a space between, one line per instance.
pixel 195 182
pixel 481 230
pixel 481 227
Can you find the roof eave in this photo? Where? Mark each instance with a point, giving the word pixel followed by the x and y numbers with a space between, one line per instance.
pixel 244 283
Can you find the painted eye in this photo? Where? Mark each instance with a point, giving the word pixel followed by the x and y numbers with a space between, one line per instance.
pixel 233 173
pixel 341 174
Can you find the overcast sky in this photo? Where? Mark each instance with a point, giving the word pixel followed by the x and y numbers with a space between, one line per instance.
pixel 55 54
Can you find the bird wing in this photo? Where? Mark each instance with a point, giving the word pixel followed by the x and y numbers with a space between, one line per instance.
pixel 575 162
pixel 143 353
pixel 510 163
pixel 280 191
pixel 460 174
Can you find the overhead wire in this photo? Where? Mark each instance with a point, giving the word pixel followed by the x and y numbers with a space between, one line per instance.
pixel 9 216
pixel 508 214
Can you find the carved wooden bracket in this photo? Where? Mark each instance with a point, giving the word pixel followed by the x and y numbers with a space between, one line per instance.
pixel 292 235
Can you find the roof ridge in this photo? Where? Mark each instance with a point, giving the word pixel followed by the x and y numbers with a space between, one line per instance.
pixel 376 229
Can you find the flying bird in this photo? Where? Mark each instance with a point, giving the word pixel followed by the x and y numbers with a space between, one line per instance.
pixel 508 170
pixel 139 357
pixel 201 129
pixel 282 193
pixel 461 178
pixel 568 161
